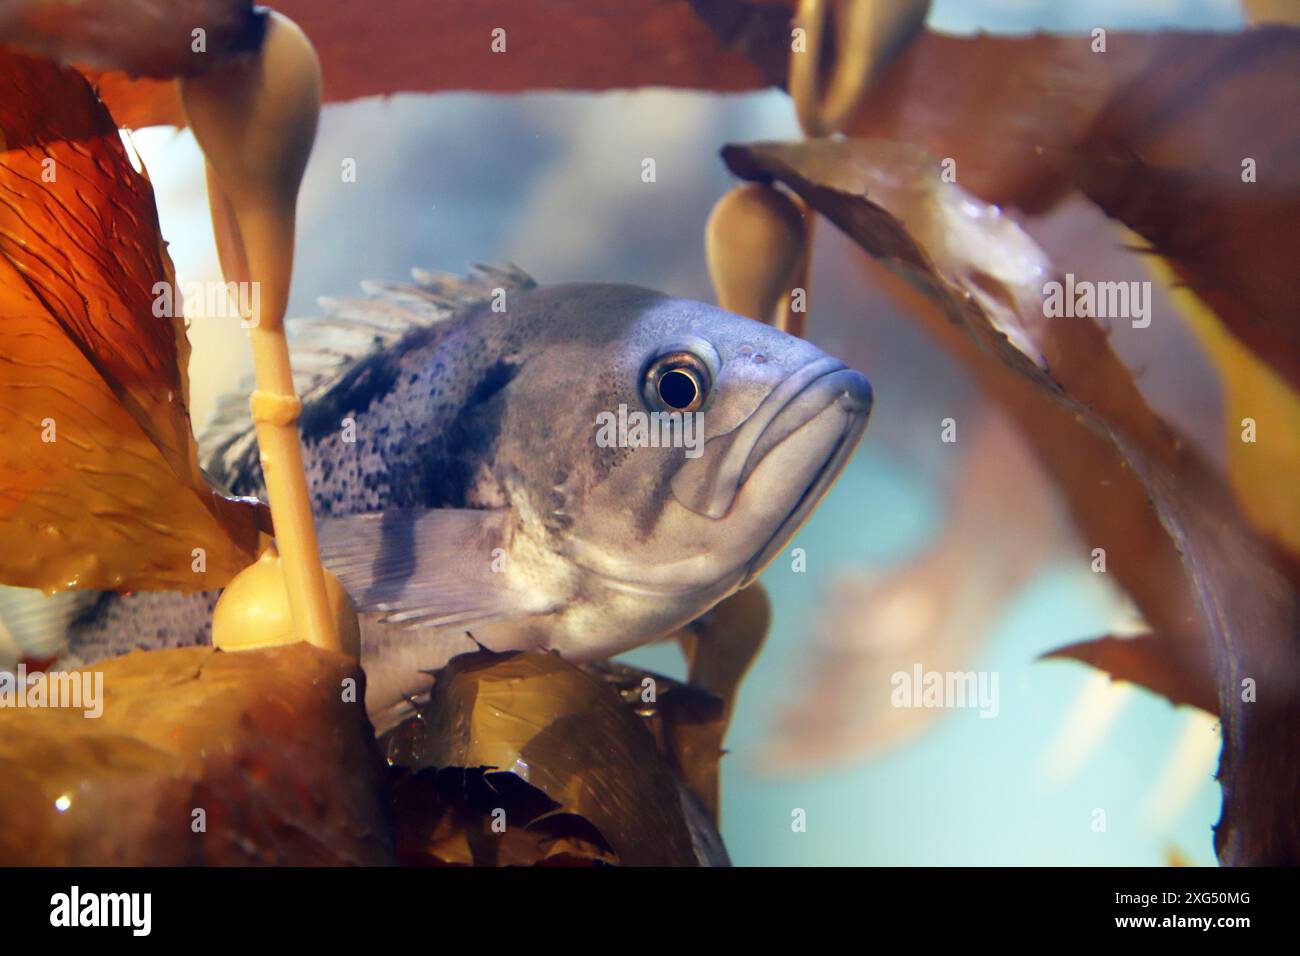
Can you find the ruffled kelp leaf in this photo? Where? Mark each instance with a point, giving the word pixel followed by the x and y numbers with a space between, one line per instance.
pixel 101 483
pixel 568 736
pixel 1146 660
pixel 199 757
pixel 1182 547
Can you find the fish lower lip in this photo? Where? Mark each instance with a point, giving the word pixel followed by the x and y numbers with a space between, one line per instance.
pixel 709 486
pixel 822 481
pixel 838 386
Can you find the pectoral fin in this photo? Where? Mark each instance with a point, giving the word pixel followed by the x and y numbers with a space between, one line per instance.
pixel 428 567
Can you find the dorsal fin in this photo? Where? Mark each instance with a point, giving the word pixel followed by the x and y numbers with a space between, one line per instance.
pixel 324 348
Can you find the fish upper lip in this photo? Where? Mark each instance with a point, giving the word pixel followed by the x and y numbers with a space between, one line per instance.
pixel 854 398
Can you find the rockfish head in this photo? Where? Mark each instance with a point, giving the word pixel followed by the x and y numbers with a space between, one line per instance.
pixel 666 449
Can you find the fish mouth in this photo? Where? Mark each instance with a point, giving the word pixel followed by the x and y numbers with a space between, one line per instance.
pixel 778 463
pixel 840 391
pixel 805 404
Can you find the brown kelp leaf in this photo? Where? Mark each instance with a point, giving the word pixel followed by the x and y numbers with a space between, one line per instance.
pixel 564 44
pixel 1255 398
pixel 563 732
pixel 101 482
pixel 987 102
pixel 139 37
pixel 1156 128
pixel 269 745
pixel 995 103
pixel 758 29
pixel 472 817
pixel 688 725
pixel 680 717
pixel 1197 154
pixel 1189 141
pixel 410 46
pixel 988 279
pixel 719 648
pixel 1007 109
pixel 1147 660
pixel 689 721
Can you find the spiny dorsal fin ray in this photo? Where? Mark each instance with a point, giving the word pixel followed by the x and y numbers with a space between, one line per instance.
pixel 324 348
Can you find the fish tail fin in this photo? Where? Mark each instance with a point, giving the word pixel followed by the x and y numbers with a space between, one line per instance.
pixel 35 627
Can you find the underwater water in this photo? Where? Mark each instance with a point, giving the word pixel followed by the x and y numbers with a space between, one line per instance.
pixel 543 180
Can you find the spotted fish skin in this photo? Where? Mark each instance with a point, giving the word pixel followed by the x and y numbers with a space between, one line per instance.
pixel 393 428
pixel 465 431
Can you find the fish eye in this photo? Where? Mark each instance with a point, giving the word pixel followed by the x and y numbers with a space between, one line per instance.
pixel 677 382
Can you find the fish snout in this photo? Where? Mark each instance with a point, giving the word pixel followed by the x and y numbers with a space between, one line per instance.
pixel 855 393
pixel 822 407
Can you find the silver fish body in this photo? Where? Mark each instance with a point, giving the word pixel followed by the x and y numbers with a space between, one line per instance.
pixel 464 481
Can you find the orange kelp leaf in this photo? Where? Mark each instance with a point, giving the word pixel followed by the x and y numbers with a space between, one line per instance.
pixel 101 483
pixel 563 732
pixel 285 770
pixel 1147 660
pixel 137 103
pixel 1060 379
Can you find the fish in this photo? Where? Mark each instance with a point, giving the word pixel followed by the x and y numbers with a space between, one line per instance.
pixel 471 489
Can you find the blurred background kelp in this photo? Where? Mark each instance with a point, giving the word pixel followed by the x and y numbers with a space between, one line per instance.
pixel 958 556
